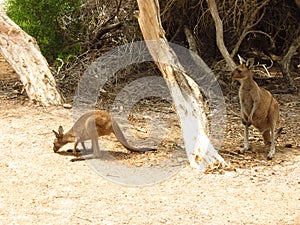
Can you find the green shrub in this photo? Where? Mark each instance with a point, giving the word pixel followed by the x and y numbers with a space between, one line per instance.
pixel 43 20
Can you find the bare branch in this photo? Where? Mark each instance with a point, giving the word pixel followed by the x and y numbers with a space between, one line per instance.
pixel 219 34
pixel 243 36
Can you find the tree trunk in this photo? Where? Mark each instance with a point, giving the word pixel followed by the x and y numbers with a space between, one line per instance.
pixel 219 34
pixel 184 91
pixel 23 54
pixel 286 61
pixel 298 3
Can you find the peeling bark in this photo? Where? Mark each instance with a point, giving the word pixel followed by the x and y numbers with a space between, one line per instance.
pixel 23 54
pixel 184 91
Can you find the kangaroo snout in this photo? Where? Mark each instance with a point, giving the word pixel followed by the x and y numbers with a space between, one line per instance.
pixel 239 73
pixel 55 148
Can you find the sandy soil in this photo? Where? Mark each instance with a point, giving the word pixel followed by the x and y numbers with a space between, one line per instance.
pixel 39 186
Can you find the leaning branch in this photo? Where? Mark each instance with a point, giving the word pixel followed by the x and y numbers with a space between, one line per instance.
pixel 23 54
pixel 219 33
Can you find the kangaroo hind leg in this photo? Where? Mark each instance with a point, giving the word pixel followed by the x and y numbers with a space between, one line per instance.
pixel 272 148
pixel 95 147
pixel 246 139
pixel 266 136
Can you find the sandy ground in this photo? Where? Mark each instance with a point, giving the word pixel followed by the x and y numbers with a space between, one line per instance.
pixel 39 186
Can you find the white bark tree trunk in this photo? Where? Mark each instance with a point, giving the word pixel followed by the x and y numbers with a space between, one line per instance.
pixel 23 54
pixel 184 91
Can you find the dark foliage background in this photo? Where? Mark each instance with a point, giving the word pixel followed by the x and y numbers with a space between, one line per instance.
pixel 72 34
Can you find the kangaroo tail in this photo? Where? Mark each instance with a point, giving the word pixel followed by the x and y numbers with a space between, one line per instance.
pixel 121 138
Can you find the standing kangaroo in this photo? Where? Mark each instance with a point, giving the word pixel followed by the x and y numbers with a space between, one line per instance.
pixel 258 107
pixel 91 126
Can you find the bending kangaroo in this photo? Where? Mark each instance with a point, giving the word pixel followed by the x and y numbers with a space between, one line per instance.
pixel 91 126
pixel 258 107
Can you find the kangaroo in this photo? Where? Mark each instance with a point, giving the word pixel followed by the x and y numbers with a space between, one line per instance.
pixel 91 126
pixel 258 107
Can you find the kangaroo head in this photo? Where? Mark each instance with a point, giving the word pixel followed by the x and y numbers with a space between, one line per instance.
pixel 59 140
pixel 242 71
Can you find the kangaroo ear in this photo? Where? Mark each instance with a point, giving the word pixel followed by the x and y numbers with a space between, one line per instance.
pixel 250 63
pixel 60 130
pixel 56 134
pixel 241 59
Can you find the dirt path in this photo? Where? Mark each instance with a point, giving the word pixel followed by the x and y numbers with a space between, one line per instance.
pixel 41 187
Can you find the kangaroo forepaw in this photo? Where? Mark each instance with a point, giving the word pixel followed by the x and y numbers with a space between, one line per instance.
pixel 242 151
pixel 246 123
pixel 267 143
pixel 76 153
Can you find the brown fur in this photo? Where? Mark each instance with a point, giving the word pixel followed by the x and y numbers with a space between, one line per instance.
pixel 91 126
pixel 258 107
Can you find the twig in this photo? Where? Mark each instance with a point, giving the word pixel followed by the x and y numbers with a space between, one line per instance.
pixel 264 66
pixel 59 68
pixel 234 113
